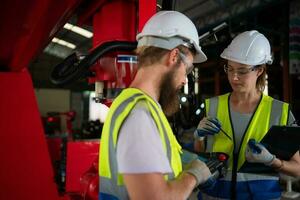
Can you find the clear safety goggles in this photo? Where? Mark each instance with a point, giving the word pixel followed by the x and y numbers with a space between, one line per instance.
pixel 189 65
pixel 240 71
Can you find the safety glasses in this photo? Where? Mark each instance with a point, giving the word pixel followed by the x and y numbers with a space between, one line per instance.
pixel 240 71
pixel 189 65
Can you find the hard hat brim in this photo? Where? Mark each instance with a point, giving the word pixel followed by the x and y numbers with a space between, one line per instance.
pixel 169 44
pixel 246 62
pixel 200 56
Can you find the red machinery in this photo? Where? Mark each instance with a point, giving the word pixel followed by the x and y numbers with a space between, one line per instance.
pixel 52 122
pixel 25 29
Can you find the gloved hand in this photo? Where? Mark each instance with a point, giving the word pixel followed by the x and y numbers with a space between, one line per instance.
pixel 187 157
pixel 257 153
pixel 210 183
pixel 199 170
pixel 207 126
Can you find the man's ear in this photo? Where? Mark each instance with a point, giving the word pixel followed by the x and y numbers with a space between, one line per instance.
pixel 173 57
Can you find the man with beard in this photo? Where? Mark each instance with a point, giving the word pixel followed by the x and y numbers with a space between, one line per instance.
pixel 139 154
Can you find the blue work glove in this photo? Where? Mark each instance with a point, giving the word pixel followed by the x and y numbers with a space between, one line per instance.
pixel 207 126
pixel 257 153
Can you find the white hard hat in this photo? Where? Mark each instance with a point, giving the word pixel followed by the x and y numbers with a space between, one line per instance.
pixel 169 29
pixel 249 48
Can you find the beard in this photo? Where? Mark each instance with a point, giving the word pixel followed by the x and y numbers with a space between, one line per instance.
pixel 169 100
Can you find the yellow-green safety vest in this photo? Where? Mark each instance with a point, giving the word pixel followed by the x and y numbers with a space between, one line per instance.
pixel 111 182
pixel 269 112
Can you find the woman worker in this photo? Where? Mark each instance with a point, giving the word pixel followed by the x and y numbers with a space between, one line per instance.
pixel 245 114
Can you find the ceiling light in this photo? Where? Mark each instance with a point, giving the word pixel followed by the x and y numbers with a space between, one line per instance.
pixel 219 27
pixel 183 99
pixel 64 43
pixel 203 35
pixel 202 106
pixel 78 30
pixel 198 111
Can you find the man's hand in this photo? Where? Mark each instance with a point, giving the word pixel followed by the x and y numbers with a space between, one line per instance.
pixel 207 126
pixel 210 183
pixel 199 170
pixel 257 153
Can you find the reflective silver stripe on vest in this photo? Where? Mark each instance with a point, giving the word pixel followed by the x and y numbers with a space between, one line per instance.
pixel 213 106
pixel 276 113
pixel 168 146
pixel 250 176
pixel 212 112
pixel 109 186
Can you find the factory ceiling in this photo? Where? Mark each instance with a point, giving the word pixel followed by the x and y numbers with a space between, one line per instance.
pixel 217 22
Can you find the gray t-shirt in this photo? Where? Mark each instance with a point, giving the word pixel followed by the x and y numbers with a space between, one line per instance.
pixel 139 146
pixel 240 122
